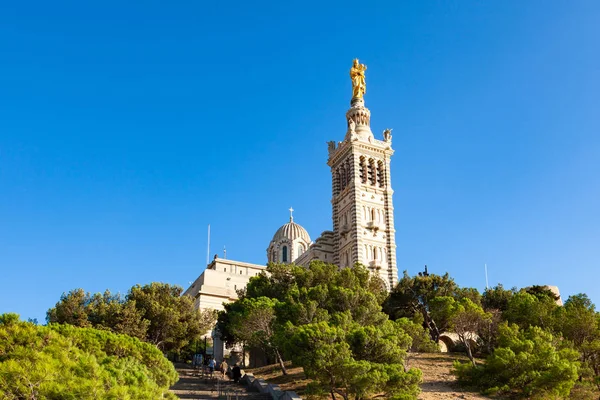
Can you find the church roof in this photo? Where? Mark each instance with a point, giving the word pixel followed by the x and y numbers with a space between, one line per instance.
pixel 291 231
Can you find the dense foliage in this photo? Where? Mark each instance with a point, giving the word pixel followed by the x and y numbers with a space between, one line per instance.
pixel 465 318
pixel 531 362
pixel 330 322
pixel 155 313
pixel 534 346
pixel 68 362
pixel 414 296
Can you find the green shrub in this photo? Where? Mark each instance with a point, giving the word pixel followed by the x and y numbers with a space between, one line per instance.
pixel 66 362
pixel 527 363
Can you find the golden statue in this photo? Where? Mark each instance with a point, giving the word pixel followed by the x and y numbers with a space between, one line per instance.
pixel 357 74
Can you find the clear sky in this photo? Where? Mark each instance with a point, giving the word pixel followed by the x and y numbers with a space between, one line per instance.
pixel 127 127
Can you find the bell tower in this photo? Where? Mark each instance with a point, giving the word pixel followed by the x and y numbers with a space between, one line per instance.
pixel 363 212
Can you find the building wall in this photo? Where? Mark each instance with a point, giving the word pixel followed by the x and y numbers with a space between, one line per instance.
pixel 220 281
pixel 217 285
pixel 322 249
pixel 362 206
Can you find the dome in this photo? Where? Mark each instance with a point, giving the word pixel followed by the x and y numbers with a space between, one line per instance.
pixel 289 242
pixel 291 231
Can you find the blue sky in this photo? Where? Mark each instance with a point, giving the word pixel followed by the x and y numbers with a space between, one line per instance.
pixel 126 128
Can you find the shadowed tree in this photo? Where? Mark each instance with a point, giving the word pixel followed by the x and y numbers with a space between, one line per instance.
pixel 497 298
pixel 465 318
pixel 413 295
pixel 329 321
pixel 155 313
pixel 252 321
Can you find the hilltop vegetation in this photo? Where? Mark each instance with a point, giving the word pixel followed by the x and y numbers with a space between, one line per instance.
pixel 154 313
pixel 67 362
pixel 330 322
pixel 353 340
pixel 351 337
pixel 100 346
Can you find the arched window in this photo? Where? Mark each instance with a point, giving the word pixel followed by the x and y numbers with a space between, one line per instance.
pixel 363 169
pixel 300 250
pixel 348 172
pixel 380 174
pixel 372 173
pixel 284 257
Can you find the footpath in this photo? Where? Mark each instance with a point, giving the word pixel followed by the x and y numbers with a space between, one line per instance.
pixel 193 386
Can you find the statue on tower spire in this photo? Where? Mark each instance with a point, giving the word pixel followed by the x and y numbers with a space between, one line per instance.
pixel 357 75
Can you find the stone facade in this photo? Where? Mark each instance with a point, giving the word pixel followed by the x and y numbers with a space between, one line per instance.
pixel 218 284
pixel 363 211
pixel 289 242
pixel 320 249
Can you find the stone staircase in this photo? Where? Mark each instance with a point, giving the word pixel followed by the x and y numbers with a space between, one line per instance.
pixel 192 385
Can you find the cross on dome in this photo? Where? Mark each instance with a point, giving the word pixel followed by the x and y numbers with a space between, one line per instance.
pixel 291 214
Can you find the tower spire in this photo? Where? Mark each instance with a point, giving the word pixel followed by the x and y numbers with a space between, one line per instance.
pixel 363 211
pixel 358 116
pixel 291 214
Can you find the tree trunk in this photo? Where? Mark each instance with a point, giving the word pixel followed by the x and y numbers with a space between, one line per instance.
pixel 280 360
pixel 469 352
pixel 332 395
pixel 407 360
pixel 344 396
pixel 434 332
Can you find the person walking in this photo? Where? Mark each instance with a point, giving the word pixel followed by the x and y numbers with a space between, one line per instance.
pixel 211 366
pixel 224 368
pixel 236 373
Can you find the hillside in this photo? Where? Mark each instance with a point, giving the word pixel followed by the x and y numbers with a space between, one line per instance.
pixel 438 382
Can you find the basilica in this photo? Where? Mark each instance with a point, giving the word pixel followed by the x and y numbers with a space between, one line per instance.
pixel 362 214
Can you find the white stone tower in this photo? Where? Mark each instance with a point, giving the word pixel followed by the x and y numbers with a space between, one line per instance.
pixel 363 212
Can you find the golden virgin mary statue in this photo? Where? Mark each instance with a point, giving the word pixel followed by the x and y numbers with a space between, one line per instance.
pixel 357 75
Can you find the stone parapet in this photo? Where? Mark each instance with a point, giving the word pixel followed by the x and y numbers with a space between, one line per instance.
pixel 261 386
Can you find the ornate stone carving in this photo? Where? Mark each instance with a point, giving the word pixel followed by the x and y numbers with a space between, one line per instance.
pixel 387 135
pixel 361 116
pixel 331 146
